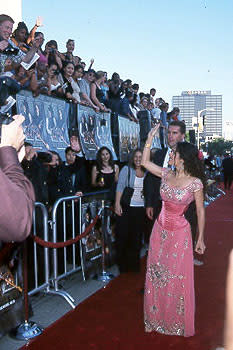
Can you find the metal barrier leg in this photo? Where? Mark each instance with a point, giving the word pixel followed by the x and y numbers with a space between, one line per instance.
pixel 65 295
pixel 56 290
pixel 80 242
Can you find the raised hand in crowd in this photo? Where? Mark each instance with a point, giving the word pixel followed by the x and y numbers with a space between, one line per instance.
pixel 30 153
pixel 91 63
pixel 39 21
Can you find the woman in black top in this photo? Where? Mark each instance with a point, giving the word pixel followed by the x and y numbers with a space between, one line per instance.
pixel 105 172
pixel 66 80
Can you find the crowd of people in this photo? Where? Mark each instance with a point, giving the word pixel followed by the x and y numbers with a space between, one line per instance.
pixel 167 187
pixel 67 76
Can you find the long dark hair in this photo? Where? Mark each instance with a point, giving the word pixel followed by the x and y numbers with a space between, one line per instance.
pixel 99 162
pixel 192 164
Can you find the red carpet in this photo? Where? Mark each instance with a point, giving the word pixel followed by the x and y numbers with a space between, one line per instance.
pixel 112 319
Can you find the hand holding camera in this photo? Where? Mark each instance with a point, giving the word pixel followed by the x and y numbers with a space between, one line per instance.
pixel 3 45
pixel 12 134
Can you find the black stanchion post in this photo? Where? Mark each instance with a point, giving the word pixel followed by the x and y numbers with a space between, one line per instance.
pixel 28 329
pixel 104 276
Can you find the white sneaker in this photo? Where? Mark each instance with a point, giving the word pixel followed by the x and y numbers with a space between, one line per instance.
pixel 198 262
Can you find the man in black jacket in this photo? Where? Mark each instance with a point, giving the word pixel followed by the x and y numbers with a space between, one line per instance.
pixel 227 165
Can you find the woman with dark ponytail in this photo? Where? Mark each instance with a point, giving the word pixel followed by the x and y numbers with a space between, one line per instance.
pixel 169 301
pixel 192 164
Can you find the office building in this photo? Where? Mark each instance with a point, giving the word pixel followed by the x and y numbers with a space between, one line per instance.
pixel 190 102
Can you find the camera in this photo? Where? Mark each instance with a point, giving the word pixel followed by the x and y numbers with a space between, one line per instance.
pixel 44 157
pixel 10 50
pixel 5 119
pixel 56 72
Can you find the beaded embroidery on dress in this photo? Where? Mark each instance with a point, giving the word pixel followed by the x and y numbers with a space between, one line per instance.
pixel 169 301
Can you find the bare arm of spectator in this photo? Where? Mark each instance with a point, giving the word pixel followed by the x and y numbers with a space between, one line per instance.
pixel 15 188
pixel 33 81
pixel 58 59
pixel 88 100
pixel 91 63
pixel 95 99
pixel 39 23
pixel 28 57
pixel 116 172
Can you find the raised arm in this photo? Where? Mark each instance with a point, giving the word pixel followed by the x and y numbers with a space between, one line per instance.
pixel 94 99
pixel 39 23
pixel 146 163
pixel 199 200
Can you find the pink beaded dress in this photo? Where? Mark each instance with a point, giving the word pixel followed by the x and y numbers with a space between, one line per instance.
pixel 169 301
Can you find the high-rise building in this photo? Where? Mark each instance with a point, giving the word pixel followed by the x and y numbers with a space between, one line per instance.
pixel 190 102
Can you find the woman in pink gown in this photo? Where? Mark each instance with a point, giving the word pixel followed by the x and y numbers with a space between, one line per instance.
pixel 169 301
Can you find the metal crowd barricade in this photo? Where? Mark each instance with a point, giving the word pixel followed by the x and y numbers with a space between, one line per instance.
pixel 69 209
pixel 44 285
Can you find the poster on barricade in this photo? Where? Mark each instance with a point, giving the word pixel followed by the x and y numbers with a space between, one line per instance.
pixel 56 123
pixel 128 137
pixel 103 132
pixel 94 131
pixel 92 243
pixel 45 124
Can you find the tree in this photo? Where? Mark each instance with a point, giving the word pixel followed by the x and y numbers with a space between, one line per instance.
pixel 217 147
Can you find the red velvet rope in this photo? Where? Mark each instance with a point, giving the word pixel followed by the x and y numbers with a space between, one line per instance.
pixel 43 243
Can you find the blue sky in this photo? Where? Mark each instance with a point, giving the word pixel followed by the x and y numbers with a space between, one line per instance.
pixel 170 45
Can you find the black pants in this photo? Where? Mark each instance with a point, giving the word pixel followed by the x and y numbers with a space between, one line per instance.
pixel 227 180
pixel 129 228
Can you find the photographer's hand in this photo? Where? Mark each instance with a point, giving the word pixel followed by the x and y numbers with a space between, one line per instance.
pixel 3 45
pixel 12 134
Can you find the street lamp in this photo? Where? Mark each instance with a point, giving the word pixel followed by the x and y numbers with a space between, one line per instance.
pixel 200 114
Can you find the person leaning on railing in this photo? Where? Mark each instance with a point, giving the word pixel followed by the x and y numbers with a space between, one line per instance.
pixel 97 95
pixel 16 191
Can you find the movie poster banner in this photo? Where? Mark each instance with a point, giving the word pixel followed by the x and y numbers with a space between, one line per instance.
pixel 45 124
pixel 128 137
pixel 94 131
pixel 92 243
